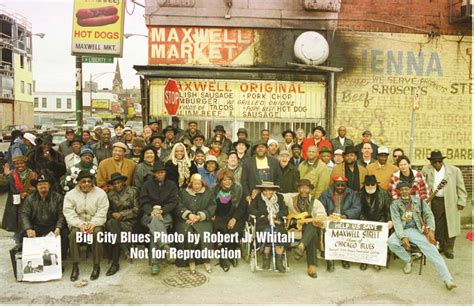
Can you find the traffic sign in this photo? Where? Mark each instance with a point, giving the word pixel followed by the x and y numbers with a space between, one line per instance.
pixel 97 60
pixel 171 97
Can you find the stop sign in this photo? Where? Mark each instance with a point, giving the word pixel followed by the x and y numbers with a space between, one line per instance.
pixel 171 97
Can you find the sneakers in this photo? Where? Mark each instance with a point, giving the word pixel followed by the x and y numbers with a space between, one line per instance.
pixel 450 285
pixel 407 268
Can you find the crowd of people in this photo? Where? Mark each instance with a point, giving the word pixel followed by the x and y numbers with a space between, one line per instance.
pixel 174 180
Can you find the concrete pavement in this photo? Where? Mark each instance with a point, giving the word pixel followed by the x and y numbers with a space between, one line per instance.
pixel 134 284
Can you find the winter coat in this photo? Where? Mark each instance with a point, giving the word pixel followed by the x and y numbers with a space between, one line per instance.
pixel 101 151
pixel 258 208
pixel 91 207
pixel 109 166
pixel 318 174
pixel 419 185
pixel 165 195
pixel 65 148
pixel 251 178
pixel 351 206
pixel 336 144
pixel 126 203
pixel 236 208
pixel 172 173
pixel 55 168
pixel 454 194
pixel 377 210
pixel 289 179
pixel 340 170
pixel 36 213
pixel 11 221
pixel 382 173
pixel 142 173
pixel 202 204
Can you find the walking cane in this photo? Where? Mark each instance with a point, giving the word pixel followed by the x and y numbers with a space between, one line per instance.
pixel 272 226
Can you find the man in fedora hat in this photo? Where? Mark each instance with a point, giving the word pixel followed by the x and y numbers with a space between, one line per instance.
pixel 44 158
pixel 158 201
pixel 269 208
pixel 221 132
pixel 382 169
pixel 103 148
pixel 343 201
pixel 288 141
pixel 317 140
pixel 122 215
pixel 257 168
pixel 375 203
pixel 325 156
pixel 351 170
pixel 448 202
pixel 42 212
pixel 65 146
pixel 315 171
pixel 155 126
pixel 73 158
pixel 87 162
pixel 242 136
pixel 303 202
pixel 85 209
pixel 407 213
pixel 116 163
pixel 296 158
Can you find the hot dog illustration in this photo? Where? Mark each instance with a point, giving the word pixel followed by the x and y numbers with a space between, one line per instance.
pixel 97 16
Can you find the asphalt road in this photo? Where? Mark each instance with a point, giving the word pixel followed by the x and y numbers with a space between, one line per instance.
pixel 134 284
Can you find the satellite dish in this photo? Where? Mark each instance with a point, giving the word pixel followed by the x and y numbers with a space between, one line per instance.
pixel 311 48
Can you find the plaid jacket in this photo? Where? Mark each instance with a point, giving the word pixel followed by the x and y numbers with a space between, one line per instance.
pixel 419 186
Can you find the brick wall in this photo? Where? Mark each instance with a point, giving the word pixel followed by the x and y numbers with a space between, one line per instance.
pixel 428 15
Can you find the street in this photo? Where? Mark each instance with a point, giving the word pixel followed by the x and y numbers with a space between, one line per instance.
pixel 134 284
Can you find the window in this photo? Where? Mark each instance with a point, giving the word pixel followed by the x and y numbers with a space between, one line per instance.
pixel 58 102
pixel 44 103
pixel 22 87
pixel 22 62
pixel 28 64
pixel 30 89
pixel 69 103
pixel 36 102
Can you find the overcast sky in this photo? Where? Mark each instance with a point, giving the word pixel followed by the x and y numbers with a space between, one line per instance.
pixel 53 65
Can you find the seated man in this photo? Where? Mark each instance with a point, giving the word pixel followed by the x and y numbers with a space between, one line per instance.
pixel 158 200
pixel 375 203
pixel 85 209
pixel 407 213
pixel 87 162
pixel 343 201
pixel 42 212
pixel 122 216
pixel 302 202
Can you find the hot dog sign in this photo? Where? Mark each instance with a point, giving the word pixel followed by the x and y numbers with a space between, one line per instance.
pixel 98 27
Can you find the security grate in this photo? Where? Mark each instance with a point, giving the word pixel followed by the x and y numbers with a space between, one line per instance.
pixel 185 279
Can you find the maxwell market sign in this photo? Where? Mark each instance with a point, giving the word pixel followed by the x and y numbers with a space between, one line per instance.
pixel 200 46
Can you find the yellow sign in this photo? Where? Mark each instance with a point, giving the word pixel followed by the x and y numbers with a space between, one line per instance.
pixel 242 99
pixel 100 103
pixel 384 80
pixel 97 27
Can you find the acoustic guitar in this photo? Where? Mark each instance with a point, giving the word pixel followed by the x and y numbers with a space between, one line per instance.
pixel 295 222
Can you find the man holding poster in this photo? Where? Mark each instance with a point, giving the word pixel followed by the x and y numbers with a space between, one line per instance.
pixel 407 217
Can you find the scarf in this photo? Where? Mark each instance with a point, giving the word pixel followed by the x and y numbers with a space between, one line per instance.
pixel 353 180
pixel 19 182
pixel 303 204
pixel 272 203
pixel 183 171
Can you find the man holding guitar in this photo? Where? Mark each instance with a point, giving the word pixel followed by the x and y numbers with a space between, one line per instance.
pixel 448 199
pixel 306 214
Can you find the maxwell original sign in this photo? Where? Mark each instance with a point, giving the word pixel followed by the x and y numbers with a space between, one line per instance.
pixel 97 27
pixel 207 98
pixel 200 46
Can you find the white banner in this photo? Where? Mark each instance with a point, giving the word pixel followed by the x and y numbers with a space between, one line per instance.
pixel 357 241
pixel 41 259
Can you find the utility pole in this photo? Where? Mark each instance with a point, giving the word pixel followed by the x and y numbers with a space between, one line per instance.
pixel 90 92
pixel 79 122
pixel 414 108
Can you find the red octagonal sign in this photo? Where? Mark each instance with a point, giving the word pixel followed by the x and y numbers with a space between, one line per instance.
pixel 171 98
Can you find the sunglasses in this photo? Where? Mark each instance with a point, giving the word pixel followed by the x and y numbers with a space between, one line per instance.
pixel 340 185
pixel 370 184
pixel 437 161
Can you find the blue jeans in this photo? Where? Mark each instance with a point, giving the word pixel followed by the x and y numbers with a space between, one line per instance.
pixel 430 251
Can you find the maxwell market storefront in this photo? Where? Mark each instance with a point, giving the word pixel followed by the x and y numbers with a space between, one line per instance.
pixel 231 77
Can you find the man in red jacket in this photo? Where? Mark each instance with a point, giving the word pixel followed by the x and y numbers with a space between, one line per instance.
pixel 317 140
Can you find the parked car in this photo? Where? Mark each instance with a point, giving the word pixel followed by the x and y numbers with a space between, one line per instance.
pixel 5 134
